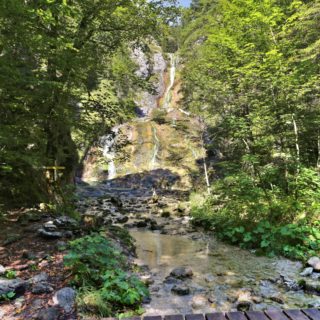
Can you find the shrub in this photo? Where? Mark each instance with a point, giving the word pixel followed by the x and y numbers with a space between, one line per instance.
pixel 102 275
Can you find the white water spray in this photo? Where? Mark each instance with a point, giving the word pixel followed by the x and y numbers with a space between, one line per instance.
pixel 167 95
pixel 155 148
pixel 108 143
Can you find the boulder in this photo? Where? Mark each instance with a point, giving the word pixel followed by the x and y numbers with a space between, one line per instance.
pixel 17 286
pixel 307 272
pixel 2 270
pixel 41 287
pixel 182 272
pixel 314 262
pixel 166 214
pixel 141 224
pixel 180 289
pixel 122 219
pixel 209 278
pixel 50 226
pixel 199 302
pixel 244 305
pixel 41 277
pixel 65 298
pixel 49 235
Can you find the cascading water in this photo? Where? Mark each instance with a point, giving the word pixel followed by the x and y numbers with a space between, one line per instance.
pixel 167 95
pixel 108 143
pixel 155 149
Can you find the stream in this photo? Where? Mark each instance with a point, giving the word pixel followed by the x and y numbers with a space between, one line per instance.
pixel 157 161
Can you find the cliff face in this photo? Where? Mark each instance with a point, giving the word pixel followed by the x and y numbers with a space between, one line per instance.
pixel 151 67
pixel 161 147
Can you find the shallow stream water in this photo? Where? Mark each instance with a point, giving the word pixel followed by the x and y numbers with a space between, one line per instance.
pixel 222 274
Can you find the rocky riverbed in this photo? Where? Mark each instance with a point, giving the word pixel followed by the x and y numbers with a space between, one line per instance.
pixel 187 270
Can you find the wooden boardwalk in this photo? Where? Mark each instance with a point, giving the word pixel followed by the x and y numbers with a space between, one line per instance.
pixel 305 314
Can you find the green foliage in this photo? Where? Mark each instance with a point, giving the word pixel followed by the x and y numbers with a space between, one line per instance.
pixel 103 277
pixel 10 274
pixel 159 116
pixel 8 296
pixel 65 78
pixel 252 72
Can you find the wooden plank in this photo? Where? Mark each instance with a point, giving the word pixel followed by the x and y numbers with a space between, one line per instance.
pixel 256 315
pixel 296 315
pixel 152 318
pixel 313 314
pixel 174 317
pixel 215 316
pixel 194 316
pixel 276 315
pixel 236 316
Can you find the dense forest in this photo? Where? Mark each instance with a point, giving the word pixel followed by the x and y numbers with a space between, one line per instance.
pixel 66 77
pixel 251 70
pixel 143 142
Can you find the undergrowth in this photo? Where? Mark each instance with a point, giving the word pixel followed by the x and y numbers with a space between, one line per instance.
pixel 268 221
pixel 103 277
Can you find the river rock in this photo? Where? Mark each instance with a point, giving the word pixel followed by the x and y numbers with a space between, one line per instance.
pixel 66 222
pixel 182 272
pixel 2 270
pixel 314 262
pixel 307 272
pixel 49 235
pixel 209 278
pixel 180 289
pixel 42 287
pixel 147 279
pixel 122 219
pixel 50 226
pixel 290 284
pixel 199 301
pixel 65 298
pixel 166 214
pixel 315 276
pixel 277 298
pixel 171 280
pixel 68 234
pixel 244 305
pixel 41 277
pixel 141 224
pixel 17 286
pixel 244 301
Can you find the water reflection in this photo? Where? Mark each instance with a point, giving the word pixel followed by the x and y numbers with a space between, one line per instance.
pixel 221 273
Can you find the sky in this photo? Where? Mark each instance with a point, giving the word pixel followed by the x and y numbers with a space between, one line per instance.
pixel 185 3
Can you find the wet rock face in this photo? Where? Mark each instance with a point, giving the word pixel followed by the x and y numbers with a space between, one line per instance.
pixel 141 59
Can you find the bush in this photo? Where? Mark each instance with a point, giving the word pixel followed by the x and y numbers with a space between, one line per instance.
pixel 159 116
pixel 244 212
pixel 101 273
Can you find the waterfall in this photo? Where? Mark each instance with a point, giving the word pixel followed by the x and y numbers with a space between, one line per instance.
pixel 109 153
pixel 155 149
pixel 167 95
